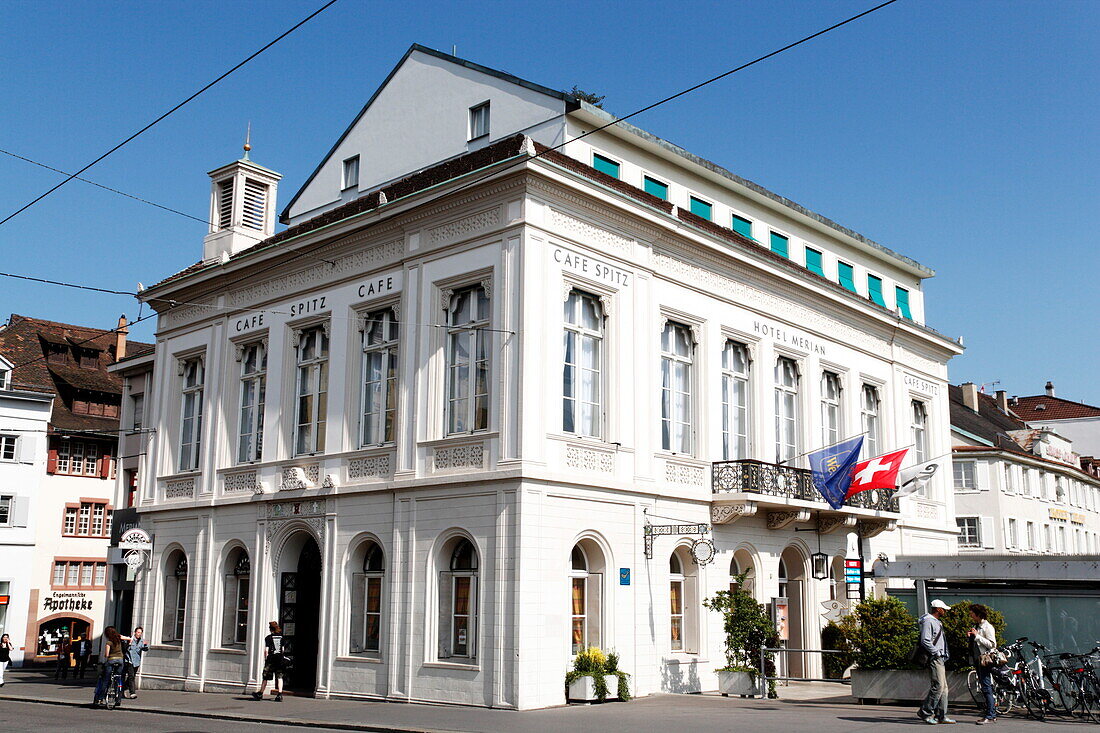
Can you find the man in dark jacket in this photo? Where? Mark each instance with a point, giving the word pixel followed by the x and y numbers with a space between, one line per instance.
pixel 82 652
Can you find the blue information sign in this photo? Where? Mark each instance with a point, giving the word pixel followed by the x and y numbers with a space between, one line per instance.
pixel 624 576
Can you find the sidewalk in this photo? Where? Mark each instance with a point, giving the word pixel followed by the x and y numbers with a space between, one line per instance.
pixel 830 707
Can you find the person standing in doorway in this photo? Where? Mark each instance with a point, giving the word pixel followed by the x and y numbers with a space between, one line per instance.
pixel 983 640
pixel 6 648
pixel 137 648
pixel 934 646
pixel 274 663
pixel 82 652
pixel 64 649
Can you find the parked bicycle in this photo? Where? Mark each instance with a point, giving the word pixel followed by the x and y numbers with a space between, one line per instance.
pixel 1018 682
pixel 111 696
pixel 1082 686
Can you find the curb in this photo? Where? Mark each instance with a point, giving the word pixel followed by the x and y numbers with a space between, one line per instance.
pixel 297 722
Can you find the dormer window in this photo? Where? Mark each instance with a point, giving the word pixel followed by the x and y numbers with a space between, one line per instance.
pixel 479 121
pixel 57 353
pixel 254 208
pixel 89 358
pixel 351 173
pixel 5 378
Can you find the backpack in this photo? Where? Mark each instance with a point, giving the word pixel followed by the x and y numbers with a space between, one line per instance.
pixel 920 656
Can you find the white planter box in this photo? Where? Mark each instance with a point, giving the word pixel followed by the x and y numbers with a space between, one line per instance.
pixel 584 689
pixel 903 684
pixel 737 683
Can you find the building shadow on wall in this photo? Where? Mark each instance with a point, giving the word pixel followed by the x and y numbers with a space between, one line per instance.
pixel 674 678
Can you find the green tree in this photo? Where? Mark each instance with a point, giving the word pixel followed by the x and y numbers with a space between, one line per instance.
pixel 748 627
pixel 956 622
pixel 596 100
pixel 881 633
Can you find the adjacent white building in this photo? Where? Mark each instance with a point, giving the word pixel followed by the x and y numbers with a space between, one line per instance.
pixel 478 406
pixel 1019 489
pixel 1073 420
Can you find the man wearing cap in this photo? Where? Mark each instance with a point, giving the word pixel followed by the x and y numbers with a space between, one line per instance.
pixel 932 642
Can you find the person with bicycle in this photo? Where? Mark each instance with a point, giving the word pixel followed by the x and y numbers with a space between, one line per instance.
pixel 983 640
pixel 114 659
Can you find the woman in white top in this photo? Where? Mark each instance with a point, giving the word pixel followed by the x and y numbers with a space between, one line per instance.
pixel 983 639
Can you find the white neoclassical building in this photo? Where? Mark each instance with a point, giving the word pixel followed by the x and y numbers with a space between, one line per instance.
pixel 473 409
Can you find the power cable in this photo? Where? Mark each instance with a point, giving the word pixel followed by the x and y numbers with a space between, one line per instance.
pixel 263 48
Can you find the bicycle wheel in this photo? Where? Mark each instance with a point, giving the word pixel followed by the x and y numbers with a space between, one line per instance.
pixel 975 689
pixel 1064 692
pixel 1037 699
pixel 1089 698
pixel 112 694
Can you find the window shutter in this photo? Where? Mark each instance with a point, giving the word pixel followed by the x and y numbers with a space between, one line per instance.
pixel 51 461
pixel 105 466
pixel 988 538
pixel 20 511
pixel 357 640
pixel 225 204
pixel 255 204
pixel 445 591
pixel 594 611
pixel 26 448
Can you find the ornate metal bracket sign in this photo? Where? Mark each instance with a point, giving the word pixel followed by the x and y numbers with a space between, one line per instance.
pixel 649 531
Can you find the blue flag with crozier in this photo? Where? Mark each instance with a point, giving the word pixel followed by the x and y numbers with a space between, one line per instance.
pixel 832 469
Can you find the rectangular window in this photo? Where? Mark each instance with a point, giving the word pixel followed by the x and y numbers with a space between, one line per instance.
pixel 874 290
pixel 901 296
pixel 964 475
pixel 1031 536
pixel 89 519
pixel 846 276
pixel 1010 487
pixel 814 262
pixel 5 379
pixel 605 165
pixel 701 208
pixel 6 510
pixel 79 574
pixel 919 431
pixel 676 408
pixel 379 399
pixel 311 391
pixel 970 533
pixel 735 401
pixel 351 173
pixel 676 614
pixel 869 412
pixel 583 367
pixel 373 613
pixel 7 447
pixel 137 402
pixel 831 428
pixel 781 245
pixel 786 408
pixel 462 602
pixel 69 525
pixel 479 121
pixel 1013 536
pixel 467 361
pixel 250 428
pixel 579 605
pixel 191 413
pixel 655 188
pixel 1047 543
pixel 742 226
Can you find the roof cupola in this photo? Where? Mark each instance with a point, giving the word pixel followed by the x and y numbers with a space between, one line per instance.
pixel 242 206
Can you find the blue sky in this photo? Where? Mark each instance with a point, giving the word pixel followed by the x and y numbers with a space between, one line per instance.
pixel 961 134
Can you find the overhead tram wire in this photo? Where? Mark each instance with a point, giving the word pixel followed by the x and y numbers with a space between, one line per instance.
pixel 304 251
pixel 149 126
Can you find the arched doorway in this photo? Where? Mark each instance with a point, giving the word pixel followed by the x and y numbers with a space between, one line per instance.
pixel 300 609
pixel 792 575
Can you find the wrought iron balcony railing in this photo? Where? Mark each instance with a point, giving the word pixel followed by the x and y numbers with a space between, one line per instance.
pixel 756 477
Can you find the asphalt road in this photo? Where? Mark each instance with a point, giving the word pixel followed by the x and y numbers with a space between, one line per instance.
pixel 38 717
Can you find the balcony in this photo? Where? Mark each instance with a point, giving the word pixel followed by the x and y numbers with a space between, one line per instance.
pixel 785 495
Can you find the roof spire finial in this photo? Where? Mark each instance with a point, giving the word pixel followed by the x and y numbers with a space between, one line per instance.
pixel 248 140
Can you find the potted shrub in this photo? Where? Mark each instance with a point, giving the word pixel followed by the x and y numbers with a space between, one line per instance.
pixel 956 622
pixel 748 629
pixel 596 677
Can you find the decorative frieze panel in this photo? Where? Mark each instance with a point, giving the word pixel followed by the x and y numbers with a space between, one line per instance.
pixel 585 233
pixel 586 459
pixel 183 488
pixel 244 482
pixel 470 456
pixel 183 314
pixel 311 512
pixel 927 511
pixel 369 467
pixel 679 473
pixel 464 227
pixel 729 513
pixel 301 477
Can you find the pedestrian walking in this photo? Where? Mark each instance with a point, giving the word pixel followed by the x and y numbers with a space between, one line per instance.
pixel 113 660
pixel 64 648
pixel 6 648
pixel 274 663
pixel 932 651
pixel 983 640
pixel 134 652
pixel 82 652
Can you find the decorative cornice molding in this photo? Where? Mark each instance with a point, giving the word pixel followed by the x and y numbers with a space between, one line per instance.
pixel 465 227
pixel 590 234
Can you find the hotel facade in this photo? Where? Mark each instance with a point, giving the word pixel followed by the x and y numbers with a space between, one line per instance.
pixel 485 403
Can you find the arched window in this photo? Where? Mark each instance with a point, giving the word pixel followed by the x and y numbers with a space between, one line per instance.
pixel 676 408
pixel 742 564
pixel 366 600
pixel 238 572
pixel 458 606
pixel 581 388
pixel 586 565
pixel 735 401
pixel 175 598
pixel 683 600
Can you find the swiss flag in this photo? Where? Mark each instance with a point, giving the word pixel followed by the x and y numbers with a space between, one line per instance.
pixel 880 472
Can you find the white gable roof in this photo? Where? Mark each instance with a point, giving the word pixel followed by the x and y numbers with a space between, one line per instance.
pixel 419 116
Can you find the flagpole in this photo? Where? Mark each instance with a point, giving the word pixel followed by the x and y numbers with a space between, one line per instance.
pixel 815 450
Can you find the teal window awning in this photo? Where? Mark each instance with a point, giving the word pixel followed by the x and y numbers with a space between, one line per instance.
pixel 742 226
pixel 605 165
pixel 902 297
pixel 780 245
pixel 813 262
pixel 874 290
pixel 655 188
pixel 845 275
pixel 702 208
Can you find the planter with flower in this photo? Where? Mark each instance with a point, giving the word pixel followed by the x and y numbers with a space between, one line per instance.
pixel 596 677
pixel 749 629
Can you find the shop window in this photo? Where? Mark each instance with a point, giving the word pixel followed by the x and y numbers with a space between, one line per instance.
pixel 366 600
pixel 458 601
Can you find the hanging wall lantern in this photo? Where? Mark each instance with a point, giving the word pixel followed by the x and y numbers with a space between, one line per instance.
pixel 819 561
